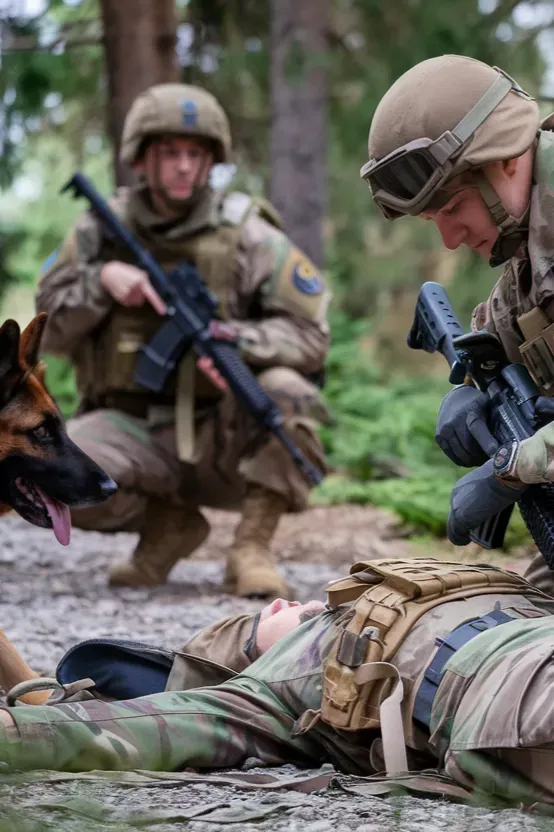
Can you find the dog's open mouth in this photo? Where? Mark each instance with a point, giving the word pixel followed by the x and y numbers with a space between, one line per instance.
pixel 37 507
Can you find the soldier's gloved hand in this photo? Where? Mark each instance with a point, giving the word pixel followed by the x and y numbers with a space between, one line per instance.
pixel 475 497
pixel 462 431
pixel 544 409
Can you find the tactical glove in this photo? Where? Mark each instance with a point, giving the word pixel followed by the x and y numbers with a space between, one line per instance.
pixel 475 497
pixel 462 430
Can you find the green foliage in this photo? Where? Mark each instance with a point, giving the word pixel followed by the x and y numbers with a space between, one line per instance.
pixel 381 446
pixel 60 381
pixel 40 88
pixel 42 221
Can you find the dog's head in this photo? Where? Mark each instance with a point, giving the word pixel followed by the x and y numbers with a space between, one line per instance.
pixel 42 472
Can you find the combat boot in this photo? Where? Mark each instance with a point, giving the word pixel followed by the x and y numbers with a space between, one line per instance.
pixel 168 534
pixel 251 571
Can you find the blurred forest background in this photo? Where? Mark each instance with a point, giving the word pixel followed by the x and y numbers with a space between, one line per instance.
pixel 300 81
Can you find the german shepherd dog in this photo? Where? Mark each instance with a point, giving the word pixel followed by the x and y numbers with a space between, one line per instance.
pixel 42 472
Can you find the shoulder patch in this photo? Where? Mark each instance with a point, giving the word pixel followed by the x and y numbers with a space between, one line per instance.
pixel 297 284
pixel 50 260
pixel 305 277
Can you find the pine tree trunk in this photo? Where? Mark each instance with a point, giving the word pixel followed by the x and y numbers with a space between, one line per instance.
pixel 139 47
pixel 298 105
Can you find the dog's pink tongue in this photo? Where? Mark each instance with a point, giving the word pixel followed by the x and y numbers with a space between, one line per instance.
pixel 60 516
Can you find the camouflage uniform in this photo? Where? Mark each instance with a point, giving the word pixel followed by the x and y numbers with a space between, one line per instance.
pixel 420 139
pixel 523 295
pixel 191 445
pixel 489 725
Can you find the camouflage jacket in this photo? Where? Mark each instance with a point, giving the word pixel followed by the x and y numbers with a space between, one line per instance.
pixel 274 294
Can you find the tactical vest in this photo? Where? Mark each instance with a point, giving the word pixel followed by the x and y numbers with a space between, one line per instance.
pixel 529 276
pixel 537 351
pixel 389 597
pixel 106 362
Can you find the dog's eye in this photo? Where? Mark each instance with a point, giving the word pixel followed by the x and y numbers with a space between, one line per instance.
pixel 41 432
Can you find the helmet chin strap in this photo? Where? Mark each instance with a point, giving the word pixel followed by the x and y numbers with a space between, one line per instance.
pixel 511 230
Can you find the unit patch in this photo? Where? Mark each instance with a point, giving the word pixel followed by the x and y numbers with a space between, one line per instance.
pixel 297 285
pixel 50 260
pixel 305 277
pixel 190 113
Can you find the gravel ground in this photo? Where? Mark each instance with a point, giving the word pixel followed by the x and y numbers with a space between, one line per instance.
pixel 53 597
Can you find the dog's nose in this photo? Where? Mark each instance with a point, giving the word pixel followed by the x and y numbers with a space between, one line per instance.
pixel 107 487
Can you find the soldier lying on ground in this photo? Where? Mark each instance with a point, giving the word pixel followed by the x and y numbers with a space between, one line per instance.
pixel 469 646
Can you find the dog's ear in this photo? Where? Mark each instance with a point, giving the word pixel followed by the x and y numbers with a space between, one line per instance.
pixel 10 370
pixel 31 338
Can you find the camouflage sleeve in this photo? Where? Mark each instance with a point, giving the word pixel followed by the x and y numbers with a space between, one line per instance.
pixel 69 289
pixel 230 642
pixel 291 299
pixel 534 462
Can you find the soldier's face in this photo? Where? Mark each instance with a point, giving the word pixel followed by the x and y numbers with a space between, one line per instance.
pixel 465 218
pixel 177 166
pixel 279 618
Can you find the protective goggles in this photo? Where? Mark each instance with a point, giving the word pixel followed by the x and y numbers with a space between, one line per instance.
pixel 407 180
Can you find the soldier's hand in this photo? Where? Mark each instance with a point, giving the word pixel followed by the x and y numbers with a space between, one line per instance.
pixel 130 286
pixel 462 431
pixel 221 331
pixel 476 497
pixel 206 366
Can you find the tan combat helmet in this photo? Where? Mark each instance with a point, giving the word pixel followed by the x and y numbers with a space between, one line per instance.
pixel 445 116
pixel 180 109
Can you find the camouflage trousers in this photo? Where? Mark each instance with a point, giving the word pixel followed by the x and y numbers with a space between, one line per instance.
pixel 252 715
pixel 231 452
pixel 493 716
pixel 492 723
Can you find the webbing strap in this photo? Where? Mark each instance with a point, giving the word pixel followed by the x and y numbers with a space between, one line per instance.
pixel 461 635
pixel 482 109
pixel 390 714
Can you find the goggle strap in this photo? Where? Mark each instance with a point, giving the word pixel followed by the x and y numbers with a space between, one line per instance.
pixel 483 108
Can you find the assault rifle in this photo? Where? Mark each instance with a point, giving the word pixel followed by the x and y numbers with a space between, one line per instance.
pixel 191 308
pixel 512 393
